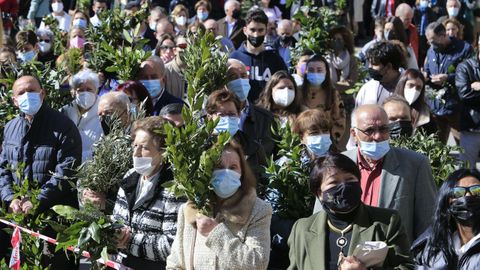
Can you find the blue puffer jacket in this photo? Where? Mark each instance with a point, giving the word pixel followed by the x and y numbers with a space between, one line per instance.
pixel 51 144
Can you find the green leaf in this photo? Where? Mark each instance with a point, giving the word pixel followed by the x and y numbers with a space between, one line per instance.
pixel 65 211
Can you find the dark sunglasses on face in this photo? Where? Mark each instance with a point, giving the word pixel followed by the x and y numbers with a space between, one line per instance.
pixel 459 192
pixel 371 130
pixel 165 47
pixel 44 40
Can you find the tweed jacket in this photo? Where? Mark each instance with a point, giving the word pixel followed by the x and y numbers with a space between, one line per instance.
pixel 153 224
pixel 237 36
pixel 240 241
pixel 308 238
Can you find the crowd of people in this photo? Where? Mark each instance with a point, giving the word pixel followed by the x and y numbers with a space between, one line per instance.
pixel 422 76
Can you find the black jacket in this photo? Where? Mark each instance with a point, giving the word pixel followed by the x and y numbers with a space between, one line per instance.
pixel 50 144
pixel 467 73
pixel 256 123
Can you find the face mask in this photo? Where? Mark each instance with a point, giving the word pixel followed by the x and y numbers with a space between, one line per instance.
pixel 236 14
pixel 316 78
pixel 389 35
pixel 374 150
pixel 286 41
pixel 77 42
pixel 202 16
pixel 401 128
pixel 438 47
pixel 241 88
pixel 303 67
pixel 319 144
pixel 453 11
pixel 338 45
pixel 423 4
pixel 29 103
pixel 57 7
pixel 466 210
pixel 225 182
pixel 375 74
pixel 143 165
pixel 153 26
pixel 153 86
pixel 411 95
pixel 283 97
pixel 80 23
pixel 85 99
pixel 342 198
pixel 106 121
pixel 181 20
pixel 228 123
pixel 26 57
pixel 44 46
pixel 256 41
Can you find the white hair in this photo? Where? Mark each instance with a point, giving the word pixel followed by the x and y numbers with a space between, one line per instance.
pixel 232 61
pixel 116 99
pixel 353 118
pixel 84 76
pixel 230 2
pixel 457 1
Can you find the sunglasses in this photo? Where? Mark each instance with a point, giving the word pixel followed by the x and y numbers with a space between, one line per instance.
pixel 372 130
pixel 165 47
pixel 182 46
pixel 44 40
pixel 459 192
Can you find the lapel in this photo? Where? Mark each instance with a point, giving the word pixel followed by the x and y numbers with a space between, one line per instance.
pixel 315 242
pixel 389 179
pixel 362 229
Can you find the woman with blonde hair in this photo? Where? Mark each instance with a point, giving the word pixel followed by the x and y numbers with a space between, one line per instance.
pixel 179 18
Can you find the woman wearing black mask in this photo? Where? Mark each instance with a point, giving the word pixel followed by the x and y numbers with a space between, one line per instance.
pixel 327 239
pixel 453 242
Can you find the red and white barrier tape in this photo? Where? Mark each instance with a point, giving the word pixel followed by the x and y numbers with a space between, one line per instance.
pixel 111 264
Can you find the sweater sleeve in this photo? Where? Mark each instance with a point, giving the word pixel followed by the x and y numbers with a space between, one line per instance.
pixel 33 9
pixel 251 253
pixel 398 256
pixel 176 259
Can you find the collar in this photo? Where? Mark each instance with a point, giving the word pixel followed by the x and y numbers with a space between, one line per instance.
pixel 457 244
pixel 363 163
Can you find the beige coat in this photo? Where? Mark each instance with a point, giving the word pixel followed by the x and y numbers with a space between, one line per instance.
pixel 241 240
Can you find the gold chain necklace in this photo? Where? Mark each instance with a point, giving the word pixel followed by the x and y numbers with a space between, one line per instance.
pixel 342 240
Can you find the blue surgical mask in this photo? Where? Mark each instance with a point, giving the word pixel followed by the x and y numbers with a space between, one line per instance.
pixel 26 57
pixel 80 23
pixel 374 150
pixel 29 103
pixel 423 4
pixel 154 87
pixel 316 78
pixel 225 182
pixel 241 88
pixel 202 16
pixel 228 123
pixel 153 26
pixel 319 144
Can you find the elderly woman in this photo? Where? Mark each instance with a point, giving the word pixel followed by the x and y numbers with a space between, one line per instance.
pixel 84 109
pixel 453 242
pixel 148 211
pixel 327 239
pixel 237 237
pixel 45 46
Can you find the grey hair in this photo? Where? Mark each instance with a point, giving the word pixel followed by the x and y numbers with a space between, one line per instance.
pixel 353 118
pixel 231 61
pixel 458 3
pixel 45 32
pixel 84 76
pixel 117 99
pixel 437 28
pixel 174 108
pixel 230 2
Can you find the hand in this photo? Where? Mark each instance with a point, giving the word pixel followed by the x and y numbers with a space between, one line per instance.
pixel 167 58
pixel 26 205
pixel 351 263
pixel 476 86
pixel 15 206
pixel 123 237
pixel 96 198
pixel 439 79
pixel 205 225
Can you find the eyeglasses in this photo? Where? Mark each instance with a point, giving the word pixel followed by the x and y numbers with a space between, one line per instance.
pixel 44 40
pixel 182 45
pixel 165 47
pixel 459 192
pixel 372 130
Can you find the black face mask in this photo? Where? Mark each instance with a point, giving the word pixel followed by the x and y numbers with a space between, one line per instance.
pixel 401 128
pixel 342 198
pixel 338 45
pixel 286 40
pixel 389 35
pixel 466 210
pixel 256 41
pixel 438 47
pixel 106 121
pixel 236 14
pixel 375 74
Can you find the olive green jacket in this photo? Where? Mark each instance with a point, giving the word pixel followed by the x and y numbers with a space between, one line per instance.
pixel 307 239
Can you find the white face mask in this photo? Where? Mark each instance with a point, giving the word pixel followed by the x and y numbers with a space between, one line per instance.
pixel 143 165
pixel 411 95
pixel 453 11
pixel 85 99
pixel 44 46
pixel 57 7
pixel 182 20
pixel 283 97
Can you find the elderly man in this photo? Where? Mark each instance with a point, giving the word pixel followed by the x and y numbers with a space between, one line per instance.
pixel 453 9
pixel 212 26
pixel 117 105
pixel 392 177
pixel 399 116
pixel 405 13
pixel 164 26
pixel 231 26
pixel 152 76
pixel 285 41
pixel 174 79
pixel 46 147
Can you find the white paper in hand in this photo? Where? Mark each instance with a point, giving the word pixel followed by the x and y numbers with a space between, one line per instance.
pixel 371 253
